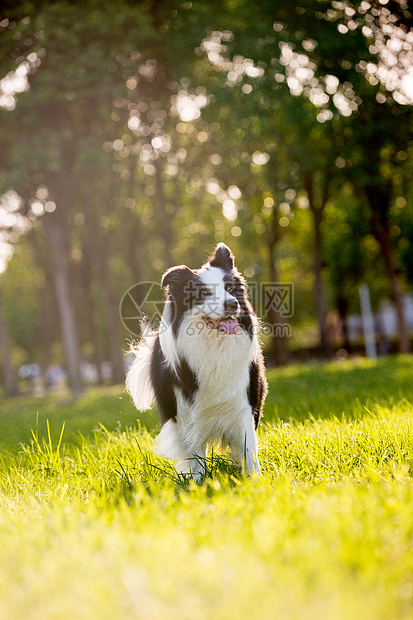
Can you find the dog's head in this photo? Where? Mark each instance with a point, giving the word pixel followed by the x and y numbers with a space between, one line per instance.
pixel 216 294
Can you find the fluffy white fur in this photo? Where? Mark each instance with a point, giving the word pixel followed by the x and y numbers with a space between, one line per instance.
pixel 138 381
pixel 168 344
pixel 221 364
pixel 213 278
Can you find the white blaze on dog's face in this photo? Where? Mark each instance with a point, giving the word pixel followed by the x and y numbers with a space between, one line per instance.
pixel 219 307
pixel 216 301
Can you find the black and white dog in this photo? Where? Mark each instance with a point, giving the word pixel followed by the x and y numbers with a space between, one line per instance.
pixel 204 367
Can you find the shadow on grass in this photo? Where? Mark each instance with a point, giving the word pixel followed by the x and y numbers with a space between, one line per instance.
pixel 149 471
pixel 110 407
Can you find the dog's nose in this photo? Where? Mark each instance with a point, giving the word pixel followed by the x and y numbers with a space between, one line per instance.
pixel 230 305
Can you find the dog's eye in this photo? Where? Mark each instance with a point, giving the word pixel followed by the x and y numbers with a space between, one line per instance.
pixel 205 292
pixel 230 288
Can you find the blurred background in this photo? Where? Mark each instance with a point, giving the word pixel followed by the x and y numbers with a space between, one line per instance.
pixel 136 135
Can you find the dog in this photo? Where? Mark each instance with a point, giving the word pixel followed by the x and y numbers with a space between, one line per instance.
pixel 204 367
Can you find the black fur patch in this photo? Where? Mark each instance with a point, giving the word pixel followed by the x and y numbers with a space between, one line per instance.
pixel 240 293
pixel 183 291
pixel 258 387
pixel 164 379
pixel 222 258
pixel 188 381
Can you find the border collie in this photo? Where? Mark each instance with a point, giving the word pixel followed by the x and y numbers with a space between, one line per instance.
pixel 204 367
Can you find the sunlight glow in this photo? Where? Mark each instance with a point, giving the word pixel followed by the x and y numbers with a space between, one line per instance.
pixel 188 106
pixel 391 44
pixel 260 159
pixel 229 209
pixel 16 82
pixel 234 192
pixel 12 225
pixel 236 69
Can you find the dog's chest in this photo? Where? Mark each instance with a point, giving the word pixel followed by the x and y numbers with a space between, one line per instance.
pixel 220 363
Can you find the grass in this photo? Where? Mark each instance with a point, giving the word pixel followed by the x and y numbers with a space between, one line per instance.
pixel 109 406
pixel 93 526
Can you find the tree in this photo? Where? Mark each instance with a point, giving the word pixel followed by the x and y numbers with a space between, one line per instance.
pixel 76 62
pixel 9 374
pixel 349 62
pixel 362 78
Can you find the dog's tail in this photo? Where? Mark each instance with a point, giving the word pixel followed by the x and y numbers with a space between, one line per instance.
pixel 138 378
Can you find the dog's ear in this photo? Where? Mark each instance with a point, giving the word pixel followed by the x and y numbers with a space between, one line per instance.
pixel 176 275
pixel 222 257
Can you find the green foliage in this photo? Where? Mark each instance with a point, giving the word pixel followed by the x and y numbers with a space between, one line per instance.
pixel 351 254
pixel 96 66
pixel 22 284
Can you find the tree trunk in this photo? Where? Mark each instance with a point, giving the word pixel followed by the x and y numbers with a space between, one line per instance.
pixel 90 306
pixel 133 251
pixel 279 345
pixel 62 186
pixel 342 309
pixel 68 326
pixel 94 340
pixel 47 310
pixel 379 207
pixel 48 302
pixel 112 308
pixel 319 296
pixel 165 216
pixel 9 375
pixel 404 341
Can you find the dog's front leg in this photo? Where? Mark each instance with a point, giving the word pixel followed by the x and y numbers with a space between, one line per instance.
pixel 198 467
pixel 194 464
pixel 245 445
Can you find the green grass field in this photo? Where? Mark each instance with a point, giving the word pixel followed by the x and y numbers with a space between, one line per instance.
pixel 94 527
